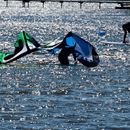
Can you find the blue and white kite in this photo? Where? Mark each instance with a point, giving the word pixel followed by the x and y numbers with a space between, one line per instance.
pixel 81 50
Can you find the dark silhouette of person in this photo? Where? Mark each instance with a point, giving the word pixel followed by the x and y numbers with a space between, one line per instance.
pixel 126 29
pixel 66 51
pixel 63 55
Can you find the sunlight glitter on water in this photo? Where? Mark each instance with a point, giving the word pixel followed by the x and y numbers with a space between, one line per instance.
pixel 38 93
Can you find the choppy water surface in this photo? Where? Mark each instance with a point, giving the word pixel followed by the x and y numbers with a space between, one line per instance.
pixel 37 93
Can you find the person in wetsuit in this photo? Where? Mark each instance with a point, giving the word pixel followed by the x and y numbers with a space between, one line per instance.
pixel 126 29
pixel 66 51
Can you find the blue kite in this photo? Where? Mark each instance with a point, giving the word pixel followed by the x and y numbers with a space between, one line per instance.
pixel 81 50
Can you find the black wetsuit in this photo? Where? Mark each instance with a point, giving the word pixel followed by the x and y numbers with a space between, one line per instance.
pixel 63 55
pixel 126 29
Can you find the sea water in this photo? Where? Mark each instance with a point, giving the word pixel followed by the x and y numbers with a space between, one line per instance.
pixel 37 93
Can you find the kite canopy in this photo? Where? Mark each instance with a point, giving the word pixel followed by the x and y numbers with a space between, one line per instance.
pixel 24 45
pixel 81 50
